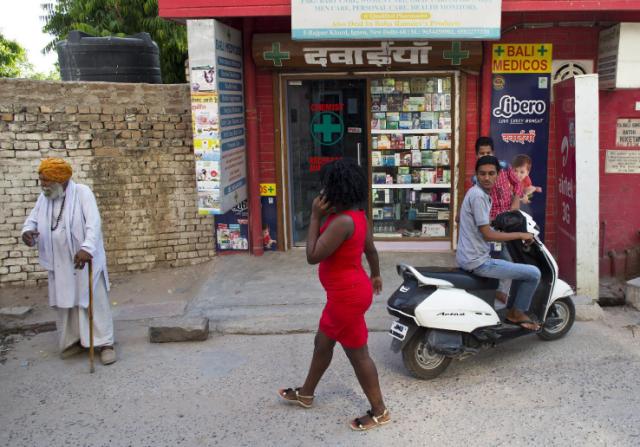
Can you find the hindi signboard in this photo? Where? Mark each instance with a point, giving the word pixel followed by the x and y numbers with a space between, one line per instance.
pixel 395 19
pixel 217 107
pixel 279 52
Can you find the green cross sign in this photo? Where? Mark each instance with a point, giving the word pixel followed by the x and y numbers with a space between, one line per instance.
pixel 323 124
pixel 542 50
pixel 456 55
pixel 499 50
pixel 275 55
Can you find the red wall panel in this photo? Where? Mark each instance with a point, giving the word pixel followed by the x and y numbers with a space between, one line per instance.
pixel 266 151
pixel 473 128
pixel 619 210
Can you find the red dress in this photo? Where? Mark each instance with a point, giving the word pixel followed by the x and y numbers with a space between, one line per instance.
pixel 348 287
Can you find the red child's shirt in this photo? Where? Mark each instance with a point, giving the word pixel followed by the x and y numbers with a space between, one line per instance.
pixel 507 184
pixel 526 182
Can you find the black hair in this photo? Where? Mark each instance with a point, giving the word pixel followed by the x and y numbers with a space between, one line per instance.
pixel 484 141
pixel 344 183
pixel 488 160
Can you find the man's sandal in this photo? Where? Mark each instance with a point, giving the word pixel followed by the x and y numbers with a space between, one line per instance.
pixel 294 396
pixel 384 418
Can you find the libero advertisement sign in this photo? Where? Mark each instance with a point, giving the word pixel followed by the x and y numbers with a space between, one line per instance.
pixel 395 19
pixel 520 96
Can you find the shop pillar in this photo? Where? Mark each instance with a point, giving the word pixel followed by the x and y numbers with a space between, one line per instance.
pixel 251 114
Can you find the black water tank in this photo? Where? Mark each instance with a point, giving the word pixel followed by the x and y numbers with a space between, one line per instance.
pixel 83 57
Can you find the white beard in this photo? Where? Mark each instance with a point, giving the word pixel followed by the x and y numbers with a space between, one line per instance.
pixel 53 192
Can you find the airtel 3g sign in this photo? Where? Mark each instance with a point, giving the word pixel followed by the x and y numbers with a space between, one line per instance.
pixel 509 106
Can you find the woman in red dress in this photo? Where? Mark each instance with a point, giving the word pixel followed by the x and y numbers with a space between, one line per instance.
pixel 338 246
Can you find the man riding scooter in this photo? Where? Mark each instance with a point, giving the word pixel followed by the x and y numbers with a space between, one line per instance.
pixel 473 253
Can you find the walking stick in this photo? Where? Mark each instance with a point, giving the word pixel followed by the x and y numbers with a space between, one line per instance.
pixel 91 368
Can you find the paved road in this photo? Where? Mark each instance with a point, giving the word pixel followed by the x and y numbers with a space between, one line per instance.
pixel 581 390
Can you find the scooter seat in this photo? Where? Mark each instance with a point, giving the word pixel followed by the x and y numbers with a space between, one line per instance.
pixel 459 278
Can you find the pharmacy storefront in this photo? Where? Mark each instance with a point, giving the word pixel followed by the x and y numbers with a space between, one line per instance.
pixel 394 107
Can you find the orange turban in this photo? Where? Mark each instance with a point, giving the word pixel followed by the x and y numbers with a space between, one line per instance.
pixel 55 170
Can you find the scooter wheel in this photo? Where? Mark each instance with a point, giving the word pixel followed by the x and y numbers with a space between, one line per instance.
pixel 565 310
pixel 420 362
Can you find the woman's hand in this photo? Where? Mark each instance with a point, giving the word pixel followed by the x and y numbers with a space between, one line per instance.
pixel 376 282
pixel 320 207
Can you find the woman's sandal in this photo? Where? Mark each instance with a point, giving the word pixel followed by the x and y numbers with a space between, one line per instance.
pixel 384 418
pixel 296 397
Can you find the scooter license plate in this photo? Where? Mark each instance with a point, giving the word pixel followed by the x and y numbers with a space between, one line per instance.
pixel 398 330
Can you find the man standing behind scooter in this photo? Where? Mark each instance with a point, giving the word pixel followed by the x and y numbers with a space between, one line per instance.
pixel 473 253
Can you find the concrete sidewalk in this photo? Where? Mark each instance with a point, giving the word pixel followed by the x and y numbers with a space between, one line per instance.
pixel 134 297
pixel 273 294
pixel 280 293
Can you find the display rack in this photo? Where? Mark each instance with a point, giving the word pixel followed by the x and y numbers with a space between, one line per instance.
pixel 411 156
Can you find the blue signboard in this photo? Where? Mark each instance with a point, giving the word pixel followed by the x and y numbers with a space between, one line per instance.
pixel 520 125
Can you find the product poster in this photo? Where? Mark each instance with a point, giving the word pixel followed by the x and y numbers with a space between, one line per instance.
pixel 217 106
pixel 269 216
pixel 520 114
pixel 232 229
pixel 205 117
pixel 203 78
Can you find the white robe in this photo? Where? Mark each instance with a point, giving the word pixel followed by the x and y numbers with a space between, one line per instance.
pixel 79 228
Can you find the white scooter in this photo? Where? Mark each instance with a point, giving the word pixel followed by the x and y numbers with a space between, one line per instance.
pixel 447 313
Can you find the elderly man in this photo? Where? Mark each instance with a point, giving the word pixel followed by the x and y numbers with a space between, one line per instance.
pixel 65 223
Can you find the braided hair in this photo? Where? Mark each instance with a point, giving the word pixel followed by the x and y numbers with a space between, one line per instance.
pixel 344 183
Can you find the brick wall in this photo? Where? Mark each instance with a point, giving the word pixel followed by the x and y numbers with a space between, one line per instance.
pixel 131 143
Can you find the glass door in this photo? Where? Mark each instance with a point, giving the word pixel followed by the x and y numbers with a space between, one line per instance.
pixel 326 120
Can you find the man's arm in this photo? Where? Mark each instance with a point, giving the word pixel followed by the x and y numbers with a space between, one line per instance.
pixel 480 210
pixel 31 224
pixel 30 227
pixel 490 235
